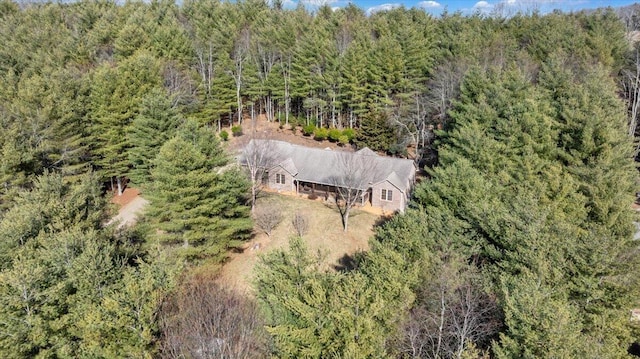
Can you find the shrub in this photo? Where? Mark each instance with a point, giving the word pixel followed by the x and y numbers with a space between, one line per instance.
pixel 308 130
pixel 236 130
pixel 267 218
pixel 294 121
pixel 397 149
pixel 343 140
pixel 300 224
pixel 334 135
pixel 224 135
pixel 320 134
pixel 183 324
pixel 350 133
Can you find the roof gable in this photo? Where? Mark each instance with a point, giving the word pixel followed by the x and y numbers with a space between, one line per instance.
pixel 324 165
pixel 366 152
pixel 395 181
pixel 288 166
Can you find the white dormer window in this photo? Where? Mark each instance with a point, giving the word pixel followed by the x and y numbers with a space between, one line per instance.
pixel 387 195
pixel 280 178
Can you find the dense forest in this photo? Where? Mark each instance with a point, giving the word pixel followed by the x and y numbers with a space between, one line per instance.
pixel 518 243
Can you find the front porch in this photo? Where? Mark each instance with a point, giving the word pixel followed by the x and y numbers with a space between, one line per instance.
pixel 326 192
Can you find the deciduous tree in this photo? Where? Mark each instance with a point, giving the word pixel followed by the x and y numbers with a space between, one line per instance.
pixel 352 181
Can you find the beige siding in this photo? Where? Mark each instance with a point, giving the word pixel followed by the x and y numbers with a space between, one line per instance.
pixel 398 199
pixel 288 180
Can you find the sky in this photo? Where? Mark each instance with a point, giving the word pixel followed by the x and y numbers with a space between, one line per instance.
pixel 436 7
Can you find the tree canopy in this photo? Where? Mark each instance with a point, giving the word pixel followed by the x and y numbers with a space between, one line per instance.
pixel 517 243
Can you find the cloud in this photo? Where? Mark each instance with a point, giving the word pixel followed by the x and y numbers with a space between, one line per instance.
pixel 318 3
pixel 543 6
pixel 430 4
pixel 557 3
pixel 287 4
pixel 383 7
pixel 482 5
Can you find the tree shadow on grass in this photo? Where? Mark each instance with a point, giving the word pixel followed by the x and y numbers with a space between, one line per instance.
pixel 381 221
pixel 346 263
pixel 349 262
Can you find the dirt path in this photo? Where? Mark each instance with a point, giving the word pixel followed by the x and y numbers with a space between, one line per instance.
pixel 131 205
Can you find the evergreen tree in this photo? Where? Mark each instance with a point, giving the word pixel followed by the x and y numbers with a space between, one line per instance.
pixel 196 203
pixel 51 206
pixel 115 98
pixel 156 123
pixel 375 133
pixel 312 314
pixel 62 272
pixel 509 178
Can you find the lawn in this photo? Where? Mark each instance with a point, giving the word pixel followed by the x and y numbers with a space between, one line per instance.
pixel 325 234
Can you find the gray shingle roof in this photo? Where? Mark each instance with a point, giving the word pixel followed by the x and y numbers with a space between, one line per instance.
pixel 289 166
pixel 396 181
pixel 324 165
pixel 366 152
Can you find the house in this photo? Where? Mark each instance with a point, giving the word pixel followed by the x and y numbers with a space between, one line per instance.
pixel 383 182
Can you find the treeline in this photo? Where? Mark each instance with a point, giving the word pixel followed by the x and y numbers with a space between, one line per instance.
pixel 75 76
pixel 519 245
pixel 70 288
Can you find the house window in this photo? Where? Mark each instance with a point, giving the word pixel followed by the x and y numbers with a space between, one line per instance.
pixel 387 195
pixel 279 178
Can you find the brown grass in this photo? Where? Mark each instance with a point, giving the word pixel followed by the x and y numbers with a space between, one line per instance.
pixel 325 234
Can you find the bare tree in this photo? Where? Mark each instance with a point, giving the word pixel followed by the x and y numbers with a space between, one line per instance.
pixel 413 123
pixel 630 83
pixel 629 16
pixel 443 89
pixel 352 183
pixel 267 217
pixel 239 56
pixel 453 314
pixel 300 223
pixel 206 320
pixel 258 156
pixel 266 57
pixel 179 85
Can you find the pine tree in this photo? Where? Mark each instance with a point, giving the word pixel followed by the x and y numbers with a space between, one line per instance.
pixel 61 272
pixel 196 203
pixel 51 206
pixel 540 324
pixel 124 321
pixel 115 98
pixel 375 133
pixel 316 314
pixel 156 123
pixel 354 81
pixel 521 171
pixel 596 154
